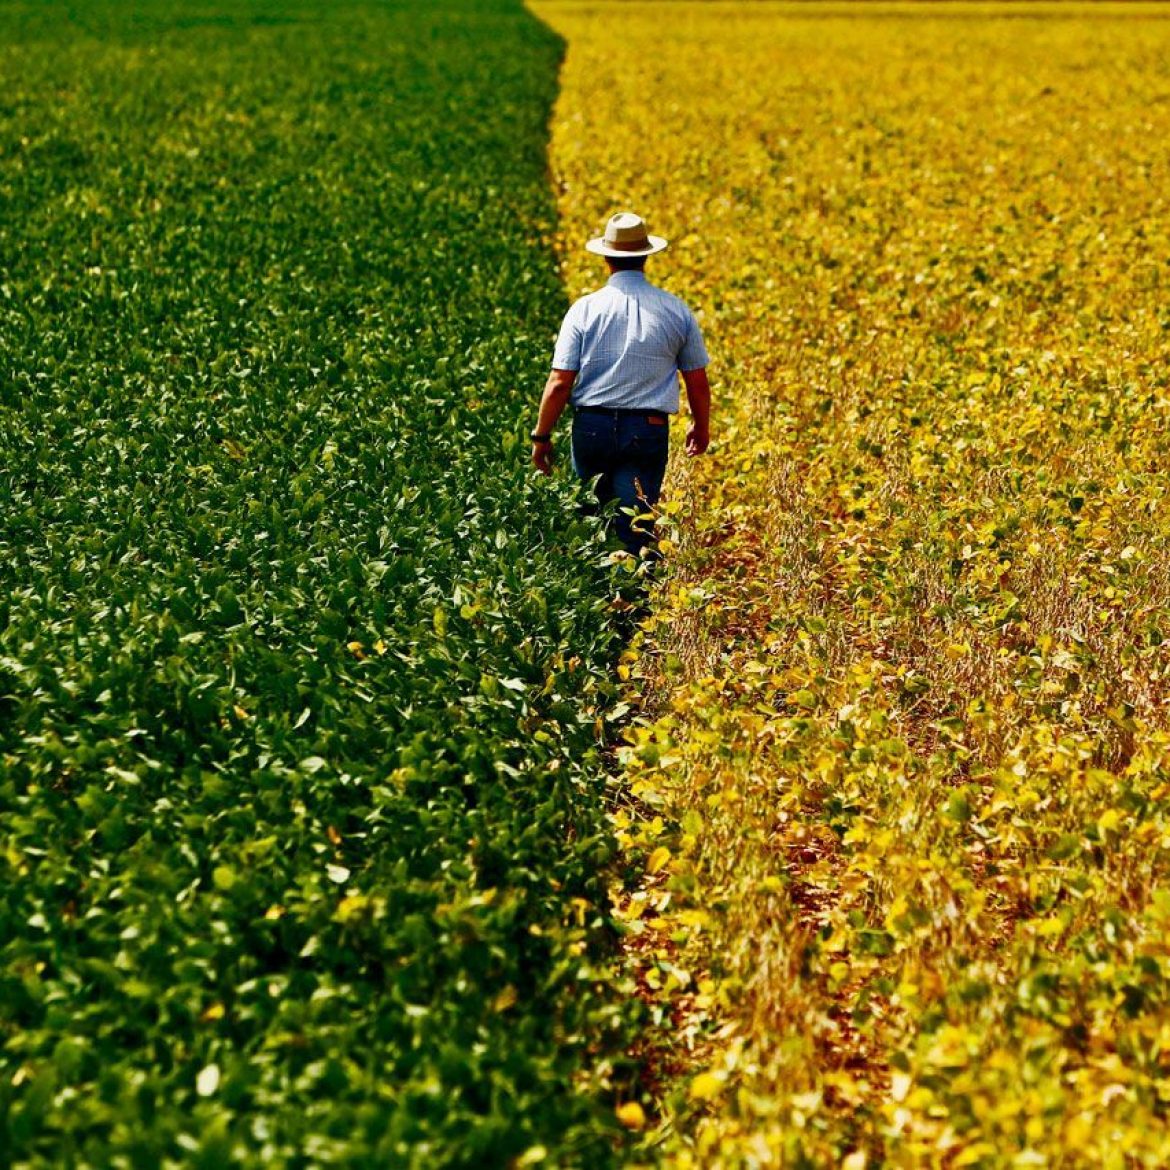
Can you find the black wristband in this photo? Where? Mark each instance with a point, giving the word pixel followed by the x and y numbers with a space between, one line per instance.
pixel 540 438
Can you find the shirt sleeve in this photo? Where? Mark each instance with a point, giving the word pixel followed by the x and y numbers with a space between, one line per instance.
pixel 693 355
pixel 567 355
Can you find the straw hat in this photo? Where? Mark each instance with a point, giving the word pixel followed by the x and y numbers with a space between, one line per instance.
pixel 625 235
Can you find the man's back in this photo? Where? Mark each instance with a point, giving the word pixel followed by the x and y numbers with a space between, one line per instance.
pixel 627 341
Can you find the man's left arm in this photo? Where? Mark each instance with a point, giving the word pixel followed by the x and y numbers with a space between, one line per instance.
pixel 699 400
pixel 552 405
pixel 692 363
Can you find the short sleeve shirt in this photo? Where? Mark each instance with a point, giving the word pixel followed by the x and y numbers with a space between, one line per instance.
pixel 627 343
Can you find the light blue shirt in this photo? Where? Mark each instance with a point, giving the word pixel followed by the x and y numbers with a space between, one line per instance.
pixel 627 342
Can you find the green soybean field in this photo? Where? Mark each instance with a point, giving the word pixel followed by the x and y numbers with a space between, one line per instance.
pixel 302 832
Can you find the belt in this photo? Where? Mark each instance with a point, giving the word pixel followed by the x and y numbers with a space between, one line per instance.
pixel 620 411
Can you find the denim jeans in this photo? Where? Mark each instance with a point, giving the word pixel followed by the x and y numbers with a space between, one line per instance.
pixel 627 455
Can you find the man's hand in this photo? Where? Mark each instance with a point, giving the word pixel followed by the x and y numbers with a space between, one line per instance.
pixel 542 457
pixel 699 398
pixel 698 440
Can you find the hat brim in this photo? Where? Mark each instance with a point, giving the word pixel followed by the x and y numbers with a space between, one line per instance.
pixel 600 248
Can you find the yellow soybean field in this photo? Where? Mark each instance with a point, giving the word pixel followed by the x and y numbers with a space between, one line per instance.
pixel 900 778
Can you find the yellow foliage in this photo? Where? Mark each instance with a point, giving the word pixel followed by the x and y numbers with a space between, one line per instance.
pixel 905 742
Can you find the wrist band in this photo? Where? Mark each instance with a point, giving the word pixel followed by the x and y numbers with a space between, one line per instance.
pixel 540 438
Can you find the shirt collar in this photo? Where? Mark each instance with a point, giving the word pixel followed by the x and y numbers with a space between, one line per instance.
pixel 629 276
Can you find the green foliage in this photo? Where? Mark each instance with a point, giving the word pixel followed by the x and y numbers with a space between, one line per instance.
pixel 300 825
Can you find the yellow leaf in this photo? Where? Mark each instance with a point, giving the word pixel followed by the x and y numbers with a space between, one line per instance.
pixel 706 1086
pixel 1050 927
pixel 658 859
pixel 631 1115
pixel 351 907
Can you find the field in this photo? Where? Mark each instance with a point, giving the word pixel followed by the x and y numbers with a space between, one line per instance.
pixel 301 822
pixel 900 773
pixel 338 824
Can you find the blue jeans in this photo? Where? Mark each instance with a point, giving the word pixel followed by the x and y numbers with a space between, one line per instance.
pixel 627 455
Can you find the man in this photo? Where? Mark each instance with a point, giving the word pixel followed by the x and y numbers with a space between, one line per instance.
pixel 617 360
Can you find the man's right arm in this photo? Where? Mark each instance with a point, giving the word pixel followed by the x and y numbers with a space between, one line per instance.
pixel 557 390
pixel 553 401
pixel 699 400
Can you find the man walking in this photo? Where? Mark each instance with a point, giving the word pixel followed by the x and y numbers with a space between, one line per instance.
pixel 617 361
